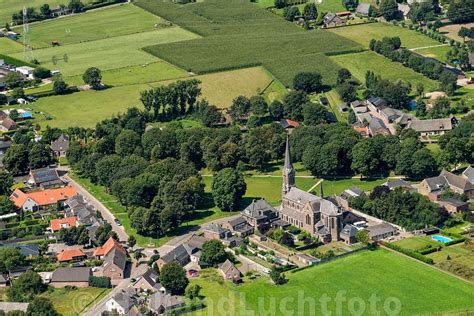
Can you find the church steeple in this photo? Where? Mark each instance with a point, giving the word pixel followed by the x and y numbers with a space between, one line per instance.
pixel 288 170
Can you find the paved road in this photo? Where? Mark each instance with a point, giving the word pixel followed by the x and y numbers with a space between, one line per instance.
pixel 106 213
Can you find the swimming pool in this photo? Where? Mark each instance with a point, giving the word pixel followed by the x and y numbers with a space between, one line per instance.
pixel 440 238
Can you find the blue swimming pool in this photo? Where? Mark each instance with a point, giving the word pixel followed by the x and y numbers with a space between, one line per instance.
pixel 440 238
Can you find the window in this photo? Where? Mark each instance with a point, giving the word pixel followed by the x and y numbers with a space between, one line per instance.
pixel 308 219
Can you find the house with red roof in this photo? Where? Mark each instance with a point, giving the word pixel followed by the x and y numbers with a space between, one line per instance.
pixel 68 255
pixel 33 201
pixel 109 245
pixel 67 222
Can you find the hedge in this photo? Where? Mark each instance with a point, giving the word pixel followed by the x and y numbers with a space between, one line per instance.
pixel 428 250
pixel 100 282
pixel 16 62
pixel 409 253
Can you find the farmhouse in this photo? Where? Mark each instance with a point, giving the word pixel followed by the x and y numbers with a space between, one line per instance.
pixel 332 20
pixel 33 201
pixel 377 127
pixel 77 276
pixel 433 187
pixel 433 127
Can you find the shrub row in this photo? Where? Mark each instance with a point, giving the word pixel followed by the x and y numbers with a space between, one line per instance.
pixel 409 253
pixel 101 282
pixel 428 250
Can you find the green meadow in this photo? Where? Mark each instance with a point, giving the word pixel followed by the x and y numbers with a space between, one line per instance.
pixel 359 63
pixel 7 46
pixel 92 25
pixel 345 286
pixel 363 33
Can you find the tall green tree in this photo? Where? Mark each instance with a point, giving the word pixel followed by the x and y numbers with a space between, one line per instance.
pixel 213 253
pixel 173 278
pixel 389 9
pixel 16 159
pixel 228 188
pixel 92 76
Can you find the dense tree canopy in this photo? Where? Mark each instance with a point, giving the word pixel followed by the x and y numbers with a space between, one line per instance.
pixel 228 188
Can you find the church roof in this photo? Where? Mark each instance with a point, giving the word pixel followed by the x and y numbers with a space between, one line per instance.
pixel 317 203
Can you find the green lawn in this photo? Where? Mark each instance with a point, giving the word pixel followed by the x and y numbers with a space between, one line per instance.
pixel 92 25
pixel 75 302
pixel 109 53
pixel 248 36
pixel 435 52
pixel 7 46
pixel 334 102
pixel 8 7
pixel 362 34
pixel 89 107
pixel 359 63
pixel 275 91
pixel 357 277
pixel 336 187
pixel 417 243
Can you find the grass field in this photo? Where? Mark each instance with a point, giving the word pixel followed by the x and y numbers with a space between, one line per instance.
pixel 362 34
pixel 89 107
pixel 358 64
pixel 7 46
pixel 356 277
pixel 92 25
pixel 334 102
pixel 75 302
pixel 435 52
pixel 8 7
pixel 109 53
pixel 248 36
pixel 336 187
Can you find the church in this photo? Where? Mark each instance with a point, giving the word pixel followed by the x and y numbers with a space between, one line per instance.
pixel 315 214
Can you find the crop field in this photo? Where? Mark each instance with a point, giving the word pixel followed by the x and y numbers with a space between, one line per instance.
pixel 249 36
pixel 359 63
pixel 395 280
pixel 86 108
pixel 8 7
pixel 110 53
pixel 92 25
pixel 362 34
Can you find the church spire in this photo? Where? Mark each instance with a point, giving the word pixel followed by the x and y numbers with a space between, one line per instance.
pixel 288 170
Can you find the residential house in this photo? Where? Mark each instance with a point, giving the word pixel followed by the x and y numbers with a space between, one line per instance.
pixel 26 71
pixel 453 206
pixel 239 227
pixel 160 303
pixel 433 187
pixel 27 250
pixel 349 234
pixel 214 231
pixel 377 127
pixel 76 276
pixel 405 10
pixel 259 212
pixel 468 174
pixel 381 231
pixel 289 124
pixel 229 272
pixel 433 127
pixel 44 178
pixel 33 201
pixel 71 255
pixel 68 222
pixel 374 103
pixel 398 183
pixel 122 303
pixel 359 107
pixel 343 199
pixel 60 146
pixel 7 124
pixel 114 265
pixel 363 9
pixel 149 282
pixel 83 212
pixel 179 255
pixel 333 20
pixel 16 272
pixel 108 246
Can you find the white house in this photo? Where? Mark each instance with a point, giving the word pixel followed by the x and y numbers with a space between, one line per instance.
pixel 26 71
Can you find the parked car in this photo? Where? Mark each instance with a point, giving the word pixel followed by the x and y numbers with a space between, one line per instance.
pixel 117 222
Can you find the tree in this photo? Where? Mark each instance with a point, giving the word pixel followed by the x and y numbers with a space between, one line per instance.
pixel 60 87
pixel 6 205
pixel 310 12
pixel 343 75
pixel 280 4
pixel 3 99
pixel 193 291
pixel 173 278
pixel 26 287
pixel 347 91
pixel 45 10
pixel 363 237
pixel 40 156
pixel 276 110
pixel 75 6
pixel 92 76
pixel 258 105
pixel 10 258
pixel 213 253
pixel 128 142
pixel 41 73
pixel 210 115
pixel 277 277
pixel 293 104
pixel 290 13
pixel 424 164
pixel 17 93
pixel 239 108
pixel 460 11
pixel 314 114
pixel 132 241
pixel 228 188
pixel 41 306
pixel 12 80
pixel 287 240
pixel 422 11
pixel 350 5
pixel 365 159
pixel 389 9
pixel 16 159
pixel 6 182
pixel 308 82
pixel 448 83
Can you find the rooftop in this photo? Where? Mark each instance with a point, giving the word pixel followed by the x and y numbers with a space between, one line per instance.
pixel 75 274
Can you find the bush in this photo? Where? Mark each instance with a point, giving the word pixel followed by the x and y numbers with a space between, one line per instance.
pixel 41 73
pixel 409 253
pixel 101 282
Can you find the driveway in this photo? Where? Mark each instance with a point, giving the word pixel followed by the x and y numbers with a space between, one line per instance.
pixel 106 214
